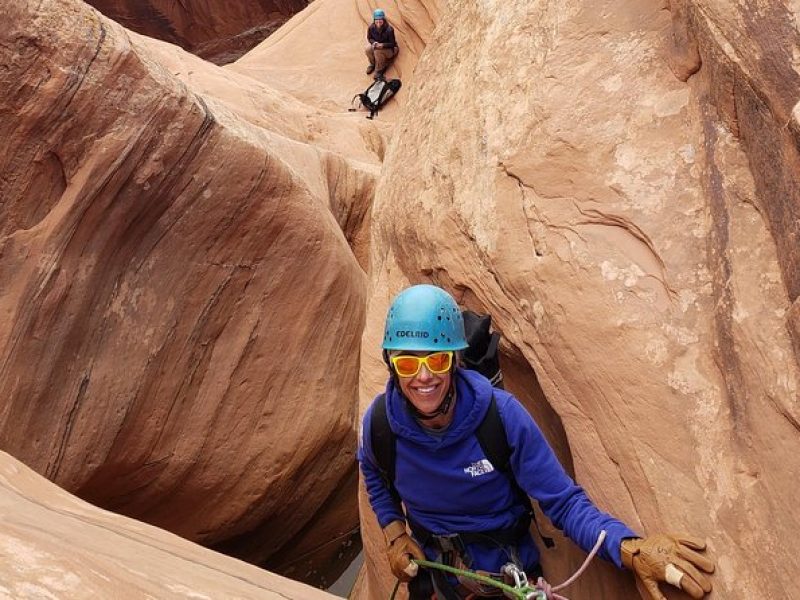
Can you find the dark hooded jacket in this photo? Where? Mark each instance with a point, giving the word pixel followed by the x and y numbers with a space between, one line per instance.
pixel 383 35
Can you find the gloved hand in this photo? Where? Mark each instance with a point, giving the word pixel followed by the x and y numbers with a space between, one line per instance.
pixel 670 558
pixel 400 549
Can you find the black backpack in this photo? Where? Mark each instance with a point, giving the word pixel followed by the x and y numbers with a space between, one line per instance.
pixel 481 356
pixel 377 94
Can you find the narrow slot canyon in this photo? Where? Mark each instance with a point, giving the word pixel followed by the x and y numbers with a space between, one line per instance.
pixel 200 244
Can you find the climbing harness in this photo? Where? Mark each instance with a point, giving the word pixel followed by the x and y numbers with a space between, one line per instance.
pixel 522 589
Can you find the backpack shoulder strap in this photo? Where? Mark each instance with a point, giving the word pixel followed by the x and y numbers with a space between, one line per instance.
pixel 491 436
pixel 384 442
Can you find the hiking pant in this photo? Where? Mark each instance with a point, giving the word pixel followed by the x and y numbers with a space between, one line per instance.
pixel 380 57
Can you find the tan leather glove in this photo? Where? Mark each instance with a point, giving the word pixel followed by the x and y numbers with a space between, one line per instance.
pixel 400 549
pixel 670 558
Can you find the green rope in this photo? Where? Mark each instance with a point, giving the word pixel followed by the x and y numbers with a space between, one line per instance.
pixel 519 593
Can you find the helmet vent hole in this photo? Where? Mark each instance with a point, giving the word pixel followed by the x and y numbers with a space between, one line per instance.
pixel 435 340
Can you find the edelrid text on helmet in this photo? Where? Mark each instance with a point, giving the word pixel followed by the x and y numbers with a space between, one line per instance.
pixel 413 334
pixel 424 318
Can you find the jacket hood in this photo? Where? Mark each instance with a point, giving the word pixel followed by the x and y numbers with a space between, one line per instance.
pixel 473 395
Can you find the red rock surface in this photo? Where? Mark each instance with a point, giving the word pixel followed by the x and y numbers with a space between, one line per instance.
pixel 217 31
pixel 180 307
pixel 617 185
pixel 110 556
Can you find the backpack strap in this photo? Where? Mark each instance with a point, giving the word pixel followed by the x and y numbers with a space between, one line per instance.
pixel 491 436
pixel 384 444
pixel 481 354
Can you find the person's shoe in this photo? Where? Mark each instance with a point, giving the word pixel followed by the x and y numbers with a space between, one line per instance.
pixel 370 69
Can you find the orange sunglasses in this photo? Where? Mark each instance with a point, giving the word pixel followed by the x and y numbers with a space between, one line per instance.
pixel 406 365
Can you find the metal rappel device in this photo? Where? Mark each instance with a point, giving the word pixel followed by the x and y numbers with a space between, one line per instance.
pixel 522 588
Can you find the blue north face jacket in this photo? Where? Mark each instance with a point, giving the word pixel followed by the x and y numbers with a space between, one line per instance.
pixel 448 485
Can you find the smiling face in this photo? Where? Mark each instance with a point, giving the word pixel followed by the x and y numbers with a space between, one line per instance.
pixel 425 390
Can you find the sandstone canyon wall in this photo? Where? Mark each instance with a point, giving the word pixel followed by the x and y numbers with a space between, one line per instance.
pixel 110 556
pixel 217 31
pixel 617 184
pixel 177 287
pixel 181 271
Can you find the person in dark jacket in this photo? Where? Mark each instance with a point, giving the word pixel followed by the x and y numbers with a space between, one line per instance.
pixel 459 507
pixel 381 48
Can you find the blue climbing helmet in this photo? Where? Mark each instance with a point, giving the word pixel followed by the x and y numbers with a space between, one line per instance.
pixel 424 317
pixel 378 14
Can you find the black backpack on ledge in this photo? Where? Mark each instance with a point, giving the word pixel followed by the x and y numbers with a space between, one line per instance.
pixel 376 95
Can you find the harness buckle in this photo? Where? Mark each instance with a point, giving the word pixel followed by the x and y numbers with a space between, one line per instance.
pixel 450 542
pixel 516 574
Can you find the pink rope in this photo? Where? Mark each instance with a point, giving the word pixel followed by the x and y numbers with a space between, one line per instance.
pixel 550 591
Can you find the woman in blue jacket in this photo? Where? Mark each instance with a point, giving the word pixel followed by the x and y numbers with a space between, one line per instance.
pixel 461 508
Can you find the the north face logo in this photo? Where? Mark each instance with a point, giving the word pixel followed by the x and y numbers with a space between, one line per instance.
pixel 481 467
